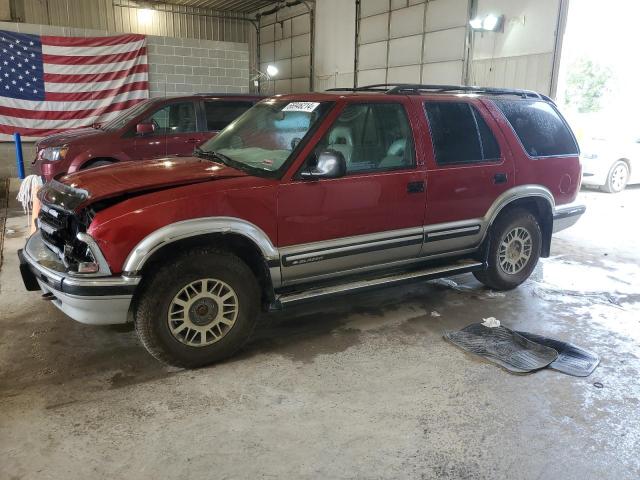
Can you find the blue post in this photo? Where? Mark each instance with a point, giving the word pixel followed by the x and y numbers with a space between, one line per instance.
pixel 19 159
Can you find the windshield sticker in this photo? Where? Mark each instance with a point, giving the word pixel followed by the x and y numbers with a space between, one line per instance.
pixel 301 107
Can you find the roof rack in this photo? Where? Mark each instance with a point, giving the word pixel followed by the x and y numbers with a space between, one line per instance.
pixel 379 87
pixel 411 88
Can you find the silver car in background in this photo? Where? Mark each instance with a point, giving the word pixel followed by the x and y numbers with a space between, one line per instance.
pixel 611 164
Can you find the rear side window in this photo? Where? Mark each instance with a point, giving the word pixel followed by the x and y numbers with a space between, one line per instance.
pixel 220 114
pixel 460 134
pixel 541 130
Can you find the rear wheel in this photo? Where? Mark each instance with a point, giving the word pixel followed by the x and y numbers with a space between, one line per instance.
pixel 617 178
pixel 198 309
pixel 514 250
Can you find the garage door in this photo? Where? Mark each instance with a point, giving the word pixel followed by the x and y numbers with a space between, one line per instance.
pixel 285 41
pixel 413 41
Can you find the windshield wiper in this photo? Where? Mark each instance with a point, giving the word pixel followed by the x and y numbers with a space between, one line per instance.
pixel 213 156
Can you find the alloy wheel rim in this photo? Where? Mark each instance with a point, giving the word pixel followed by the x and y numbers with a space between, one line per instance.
pixel 202 312
pixel 619 177
pixel 515 250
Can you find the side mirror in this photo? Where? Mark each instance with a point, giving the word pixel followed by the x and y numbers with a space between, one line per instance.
pixel 145 128
pixel 329 164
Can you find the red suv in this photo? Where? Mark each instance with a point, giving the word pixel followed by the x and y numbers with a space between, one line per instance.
pixel 304 197
pixel 153 128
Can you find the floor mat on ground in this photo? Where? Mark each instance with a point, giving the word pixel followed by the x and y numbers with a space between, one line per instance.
pixel 503 346
pixel 571 360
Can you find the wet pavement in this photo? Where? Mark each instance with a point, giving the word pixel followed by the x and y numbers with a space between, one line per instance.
pixel 358 387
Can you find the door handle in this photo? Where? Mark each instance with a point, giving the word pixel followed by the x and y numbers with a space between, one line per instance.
pixel 500 178
pixel 191 140
pixel 415 187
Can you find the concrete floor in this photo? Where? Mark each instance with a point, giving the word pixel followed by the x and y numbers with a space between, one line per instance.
pixel 362 387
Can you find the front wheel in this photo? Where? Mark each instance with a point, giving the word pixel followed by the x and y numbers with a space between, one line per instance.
pixel 617 178
pixel 198 309
pixel 514 250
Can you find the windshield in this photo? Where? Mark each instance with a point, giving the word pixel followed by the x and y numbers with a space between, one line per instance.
pixel 263 138
pixel 125 117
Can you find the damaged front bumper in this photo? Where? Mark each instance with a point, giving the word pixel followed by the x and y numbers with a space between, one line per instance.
pixel 91 300
pixel 567 215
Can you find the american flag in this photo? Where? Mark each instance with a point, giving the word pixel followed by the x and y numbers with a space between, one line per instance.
pixel 49 84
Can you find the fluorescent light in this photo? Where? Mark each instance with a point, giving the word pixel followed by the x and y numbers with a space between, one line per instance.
pixel 145 15
pixel 272 70
pixel 490 22
pixel 476 23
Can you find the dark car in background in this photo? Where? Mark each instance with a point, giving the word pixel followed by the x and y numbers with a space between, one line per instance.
pixel 157 127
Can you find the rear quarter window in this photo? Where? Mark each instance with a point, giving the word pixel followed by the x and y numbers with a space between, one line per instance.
pixel 540 128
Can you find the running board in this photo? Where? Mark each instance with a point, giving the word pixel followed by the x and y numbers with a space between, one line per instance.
pixel 462 266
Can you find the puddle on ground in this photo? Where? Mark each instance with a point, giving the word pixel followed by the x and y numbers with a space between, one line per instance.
pixel 572 283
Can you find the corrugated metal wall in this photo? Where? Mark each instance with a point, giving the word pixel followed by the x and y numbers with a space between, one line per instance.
pixel 121 16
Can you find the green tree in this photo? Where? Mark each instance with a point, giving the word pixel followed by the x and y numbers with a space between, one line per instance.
pixel 586 85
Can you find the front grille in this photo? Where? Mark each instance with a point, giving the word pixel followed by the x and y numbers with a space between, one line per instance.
pixel 59 230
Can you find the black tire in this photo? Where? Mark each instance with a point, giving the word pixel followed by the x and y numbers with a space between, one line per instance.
pixel 495 276
pixel 615 184
pixel 166 281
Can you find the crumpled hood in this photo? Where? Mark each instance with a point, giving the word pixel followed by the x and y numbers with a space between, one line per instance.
pixel 64 138
pixel 80 189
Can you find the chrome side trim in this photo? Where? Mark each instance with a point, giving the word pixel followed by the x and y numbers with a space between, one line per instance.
pixel 454 232
pixel 373 268
pixel 319 255
pixel 335 256
pixel 195 227
pixel 348 241
pixel 515 193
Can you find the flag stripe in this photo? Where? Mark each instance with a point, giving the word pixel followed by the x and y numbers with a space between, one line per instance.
pixel 52 124
pixel 94 86
pixel 95 60
pixel 66 114
pixel 104 68
pixel 50 78
pixel 93 51
pixel 89 41
pixel 81 96
pixel 85 105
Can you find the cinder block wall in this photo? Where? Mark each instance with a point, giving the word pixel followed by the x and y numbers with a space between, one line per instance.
pixel 185 65
pixel 177 66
